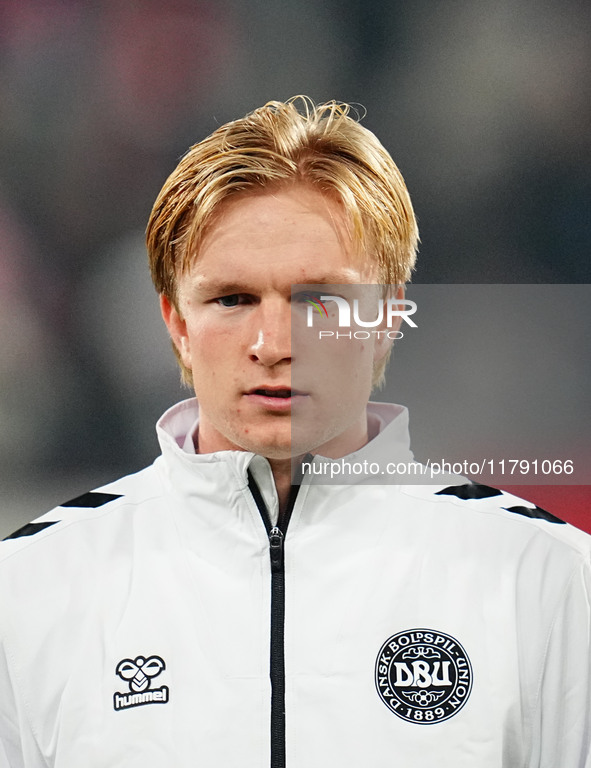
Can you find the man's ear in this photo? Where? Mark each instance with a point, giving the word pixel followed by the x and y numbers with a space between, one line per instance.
pixel 177 328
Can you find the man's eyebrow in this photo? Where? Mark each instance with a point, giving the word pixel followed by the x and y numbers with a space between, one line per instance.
pixel 224 287
pixel 324 280
pixel 220 287
pixel 329 278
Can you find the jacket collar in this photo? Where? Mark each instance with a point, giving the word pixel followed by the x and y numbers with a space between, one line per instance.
pixel 227 470
pixel 388 425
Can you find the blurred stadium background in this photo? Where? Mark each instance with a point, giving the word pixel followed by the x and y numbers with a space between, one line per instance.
pixel 484 105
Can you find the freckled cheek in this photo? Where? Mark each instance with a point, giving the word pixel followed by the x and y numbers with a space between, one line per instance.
pixel 344 353
pixel 212 344
pixel 207 330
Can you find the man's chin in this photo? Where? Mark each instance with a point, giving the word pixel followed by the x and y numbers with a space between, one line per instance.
pixel 269 446
pixel 279 450
pixel 284 442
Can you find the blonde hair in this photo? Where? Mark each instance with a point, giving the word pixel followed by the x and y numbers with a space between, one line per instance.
pixel 281 143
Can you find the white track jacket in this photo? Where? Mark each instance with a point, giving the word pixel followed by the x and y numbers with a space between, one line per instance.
pixel 169 620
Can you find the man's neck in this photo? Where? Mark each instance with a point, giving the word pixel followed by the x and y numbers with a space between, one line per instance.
pixel 283 476
pixel 355 437
pixel 285 469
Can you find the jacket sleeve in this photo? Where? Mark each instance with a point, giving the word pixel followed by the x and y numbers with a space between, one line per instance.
pixel 11 753
pixel 562 718
pixel 4 760
pixel 18 747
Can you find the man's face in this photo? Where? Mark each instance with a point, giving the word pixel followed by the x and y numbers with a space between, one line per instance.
pixel 234 321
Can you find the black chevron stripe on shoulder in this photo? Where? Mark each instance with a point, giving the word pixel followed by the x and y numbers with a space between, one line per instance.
pixel 537 513
pixel 470 491
pixel 93 499
pixel 30 529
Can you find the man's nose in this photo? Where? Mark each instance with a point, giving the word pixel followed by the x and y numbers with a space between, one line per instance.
pixel 271 333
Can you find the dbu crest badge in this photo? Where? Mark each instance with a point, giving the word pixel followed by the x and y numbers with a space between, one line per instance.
pixel 423 676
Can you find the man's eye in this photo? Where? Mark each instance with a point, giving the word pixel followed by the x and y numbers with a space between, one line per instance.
pixel 233 300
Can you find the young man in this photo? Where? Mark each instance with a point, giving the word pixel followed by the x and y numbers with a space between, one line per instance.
pixel 216 609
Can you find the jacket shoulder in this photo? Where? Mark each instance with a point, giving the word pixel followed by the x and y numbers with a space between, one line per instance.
pixel 71 518
pixel 493 507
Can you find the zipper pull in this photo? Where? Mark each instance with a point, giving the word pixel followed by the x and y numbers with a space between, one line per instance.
pixel 276 548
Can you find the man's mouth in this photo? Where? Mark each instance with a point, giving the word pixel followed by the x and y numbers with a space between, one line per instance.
pixel 276 398
pixel 283 393
pixel 276 393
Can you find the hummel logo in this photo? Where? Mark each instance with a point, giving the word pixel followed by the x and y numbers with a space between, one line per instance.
pixel 138 673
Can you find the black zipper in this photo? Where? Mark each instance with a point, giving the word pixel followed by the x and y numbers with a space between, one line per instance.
pixel 276 534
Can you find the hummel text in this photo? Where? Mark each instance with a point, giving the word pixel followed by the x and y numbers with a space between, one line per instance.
pixel 126 700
